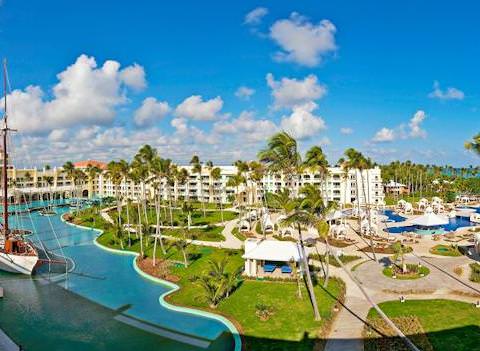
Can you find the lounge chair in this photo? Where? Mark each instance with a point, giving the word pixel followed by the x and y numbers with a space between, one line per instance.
pixel 286 269
pixel 269 268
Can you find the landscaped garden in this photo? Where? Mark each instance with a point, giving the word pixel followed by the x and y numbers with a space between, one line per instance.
pixel 433 325
pixel 475 272
pixel 445 250
pixel 269 314
pixel 409 271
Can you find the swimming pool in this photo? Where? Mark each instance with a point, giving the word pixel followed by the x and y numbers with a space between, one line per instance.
pixel 454 224
pixel 101 282
pixel 393 216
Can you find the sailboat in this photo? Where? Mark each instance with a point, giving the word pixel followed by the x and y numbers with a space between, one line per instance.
pixel 17 255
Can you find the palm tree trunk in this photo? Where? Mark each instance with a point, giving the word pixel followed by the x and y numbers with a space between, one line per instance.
pixel 158 231
pixel 309 278
pixel 128 224
pixel 367 208
pixel 201 196
pixel 185 258
pixel 139 229
pixel 327 261
pixel 154 250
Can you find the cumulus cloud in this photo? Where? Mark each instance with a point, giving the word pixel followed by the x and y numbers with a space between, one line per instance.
pixel 134 76
pixel 244 92
pixel 449 94
pixel 384 135
pixel 195 108
pixel 302 123
pixel 247 127
pixel 289 92
pixel 412 130
pixel 415 125
pixel 346 130
pixel 84 94
pixel 301 41
pixel 150 111
pixel 255 16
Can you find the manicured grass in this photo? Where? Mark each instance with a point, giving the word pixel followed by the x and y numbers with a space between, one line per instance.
pixel 178 217
pixel 445 250
pixel 475 272
pixel 449 325
pixel 210 233
pixel 291 325
pixel 239 235
pixel 343 258
pixel 414 272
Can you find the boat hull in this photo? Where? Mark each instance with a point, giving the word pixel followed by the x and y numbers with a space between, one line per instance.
pixel 17 264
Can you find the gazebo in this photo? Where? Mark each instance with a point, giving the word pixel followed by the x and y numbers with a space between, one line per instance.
pixel 429 219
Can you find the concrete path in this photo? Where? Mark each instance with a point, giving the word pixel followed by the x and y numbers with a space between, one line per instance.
pixel 7 344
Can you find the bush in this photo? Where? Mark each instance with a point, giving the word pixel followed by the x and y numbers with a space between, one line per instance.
pixel 475 272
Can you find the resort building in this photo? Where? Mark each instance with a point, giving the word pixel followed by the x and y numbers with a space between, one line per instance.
pixel 337 186
pixel 395 188
pixel 271 258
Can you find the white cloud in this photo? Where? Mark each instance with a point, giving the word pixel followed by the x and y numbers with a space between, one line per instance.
pixel 449 94
pixel 346 130
pixel 244 92
pixel 58 135
pixel 412 130
pixel 384 135
pixel 255 16
pixel 302 123
pixel 134 76
pixel 289 92
pixel 84 94
pixel 303 42
pixel 150 111
pixel 415 125
pixel 195 108
pixel 246 127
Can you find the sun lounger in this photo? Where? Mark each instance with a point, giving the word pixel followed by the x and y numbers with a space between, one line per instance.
pixel 269 268
pixel 286 269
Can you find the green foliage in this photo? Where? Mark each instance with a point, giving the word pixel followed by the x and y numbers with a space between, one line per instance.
pixel 475 272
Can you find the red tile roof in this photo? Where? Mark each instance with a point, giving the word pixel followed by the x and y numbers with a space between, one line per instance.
pixel 86 163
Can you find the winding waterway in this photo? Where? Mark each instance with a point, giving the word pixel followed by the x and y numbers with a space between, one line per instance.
pixel 103 304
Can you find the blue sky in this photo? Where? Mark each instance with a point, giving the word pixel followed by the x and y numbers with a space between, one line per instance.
pixel 342 74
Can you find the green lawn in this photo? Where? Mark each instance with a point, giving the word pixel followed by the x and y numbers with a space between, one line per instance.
pixel 449 325
pixel 414 272
pixel 290 327
pixel 445 250
pixel 210 233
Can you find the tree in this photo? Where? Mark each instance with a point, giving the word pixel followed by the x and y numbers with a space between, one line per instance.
pixel 115 174
pixel 197 168
pixel 216 175
pixel 474 144
pixel 188 208
pixel 399 253
pixel 282 156
pixel 92 172
pixel 181 245
pixel 316 161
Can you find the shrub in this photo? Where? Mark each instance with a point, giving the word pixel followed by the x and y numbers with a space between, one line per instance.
pixel 475 272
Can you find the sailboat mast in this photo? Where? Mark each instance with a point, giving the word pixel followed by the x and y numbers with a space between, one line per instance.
pixel 4 154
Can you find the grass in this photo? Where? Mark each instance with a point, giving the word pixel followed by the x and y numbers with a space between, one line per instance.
pixel 178 217
pixel 413 272
pixel 333 262
pixel 238 235
pixel 449 325
pixel 280 331
pixel 445 250
pixel 210 233
pixel 355 266
pixel 475 272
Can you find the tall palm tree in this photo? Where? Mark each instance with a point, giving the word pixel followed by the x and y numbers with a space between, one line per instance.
pixel 69 170
pixel 281 155
pixel 474 144
pixel 197 168
pixel 137 176
pixel 92 172
pixel 216 175
pixel 115 174
pixel 316 161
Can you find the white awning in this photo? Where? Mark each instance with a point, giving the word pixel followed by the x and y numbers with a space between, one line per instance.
pixel 429 219
pixel 272 250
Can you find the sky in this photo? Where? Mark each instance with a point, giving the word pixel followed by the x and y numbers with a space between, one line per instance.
pixel 98 79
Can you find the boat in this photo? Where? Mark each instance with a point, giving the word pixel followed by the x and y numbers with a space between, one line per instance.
pixel 17 254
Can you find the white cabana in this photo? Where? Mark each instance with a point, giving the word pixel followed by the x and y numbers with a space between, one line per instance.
pixel 267 224
pixel 401 203
pixel 252 215
pixel 475 217
pixel 262 253
pixel 334 215
pixel 407 208
pixel 452 214
pixel 244 226
pixel 437 199
pixel 429 219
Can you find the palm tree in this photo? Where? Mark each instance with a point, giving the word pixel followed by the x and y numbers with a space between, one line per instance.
pixel 92 172
pixel 188 209
pixel 316 161
pixel 474 144
pixel 281 155
pixel 216 174
pixel 115 174
pixel 136 175
pixel 181 245
pixel 399 253
pixel 209 167
pixel 197 168
pixel 69 170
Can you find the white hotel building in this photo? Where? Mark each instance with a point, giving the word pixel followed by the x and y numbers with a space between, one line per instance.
pixel 339 186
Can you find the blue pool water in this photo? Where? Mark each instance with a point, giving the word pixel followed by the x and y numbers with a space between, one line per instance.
pixel 110 280
pixel 392 216
pixel 454 224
